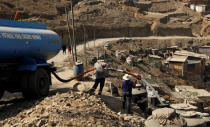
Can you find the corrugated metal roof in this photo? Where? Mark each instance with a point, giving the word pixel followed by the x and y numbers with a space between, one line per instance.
pixel 173 47
pixel 193 61
pixel 176 58
pixel 206 46
pixel 155 56
pixel 192 54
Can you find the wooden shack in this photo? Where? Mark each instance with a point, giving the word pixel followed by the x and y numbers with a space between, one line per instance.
pixel 177 64
pixel 193 67
pixel 202 58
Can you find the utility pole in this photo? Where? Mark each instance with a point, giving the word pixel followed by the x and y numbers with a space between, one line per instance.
pixel 69 44
pixel 75 46
pixel 98 55
pixel 94 39
pixel 85 45
pixel 84 37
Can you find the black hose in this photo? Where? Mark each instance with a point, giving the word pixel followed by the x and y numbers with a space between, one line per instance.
pixel 63 80
pixel 72 78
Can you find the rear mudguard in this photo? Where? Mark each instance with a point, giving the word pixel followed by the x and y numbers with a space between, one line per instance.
pixel 31 64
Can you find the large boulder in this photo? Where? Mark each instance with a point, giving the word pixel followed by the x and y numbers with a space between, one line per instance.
pixel 163 113
pixel 167 116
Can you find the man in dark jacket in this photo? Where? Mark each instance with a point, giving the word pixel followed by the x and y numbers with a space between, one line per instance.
pixel 64 49
pixel 127 86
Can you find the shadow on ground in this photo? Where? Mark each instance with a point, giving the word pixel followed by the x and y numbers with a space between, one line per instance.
pixel 115 104
pixel 11 108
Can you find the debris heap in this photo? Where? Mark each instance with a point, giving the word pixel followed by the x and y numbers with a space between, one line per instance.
pixel 71 109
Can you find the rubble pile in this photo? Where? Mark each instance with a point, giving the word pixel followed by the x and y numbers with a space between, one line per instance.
pixel 174 117
pixel 163 7
pixel 71 109
pixel 166 116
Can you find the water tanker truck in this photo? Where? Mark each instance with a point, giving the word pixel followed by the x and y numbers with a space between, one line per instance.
pixel 25 48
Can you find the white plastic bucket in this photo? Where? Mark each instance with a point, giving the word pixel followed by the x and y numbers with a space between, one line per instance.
pixel 192 6
pixel 200 8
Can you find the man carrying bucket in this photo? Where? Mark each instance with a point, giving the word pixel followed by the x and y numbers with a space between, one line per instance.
pixel 100 76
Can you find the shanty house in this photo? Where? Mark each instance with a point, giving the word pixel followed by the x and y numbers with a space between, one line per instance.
pixel 194 66
pixel 194 57
pixel 177 64
pixel 183 67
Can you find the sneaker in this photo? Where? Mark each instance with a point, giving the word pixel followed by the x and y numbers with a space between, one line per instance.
pixel 91 91
pixel 99 93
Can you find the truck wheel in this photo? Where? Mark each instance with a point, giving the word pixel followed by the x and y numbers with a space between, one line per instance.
pixel 39 83
pixel 1 93
pixel 24 85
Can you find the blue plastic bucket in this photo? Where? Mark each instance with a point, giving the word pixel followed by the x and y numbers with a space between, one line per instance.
pixel 78 68
pixel 107 46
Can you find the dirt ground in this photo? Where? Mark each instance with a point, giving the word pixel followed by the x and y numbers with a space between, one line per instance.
pixel 110 18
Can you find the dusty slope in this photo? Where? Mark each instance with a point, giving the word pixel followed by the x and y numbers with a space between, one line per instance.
pixel 110 18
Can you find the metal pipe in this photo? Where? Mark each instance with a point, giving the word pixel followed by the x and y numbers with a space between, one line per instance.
pixel 75 47
pixel 16 15
pixel 72 78
pixel 70 44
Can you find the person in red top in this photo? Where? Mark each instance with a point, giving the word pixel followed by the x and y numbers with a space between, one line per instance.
pixel 69 49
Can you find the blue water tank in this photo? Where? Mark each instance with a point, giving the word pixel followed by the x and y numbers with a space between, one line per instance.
pixel 24 39
pixel 78 68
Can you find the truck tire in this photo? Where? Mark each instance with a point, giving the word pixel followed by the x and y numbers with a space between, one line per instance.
pixel 25 85
pixel 39 83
